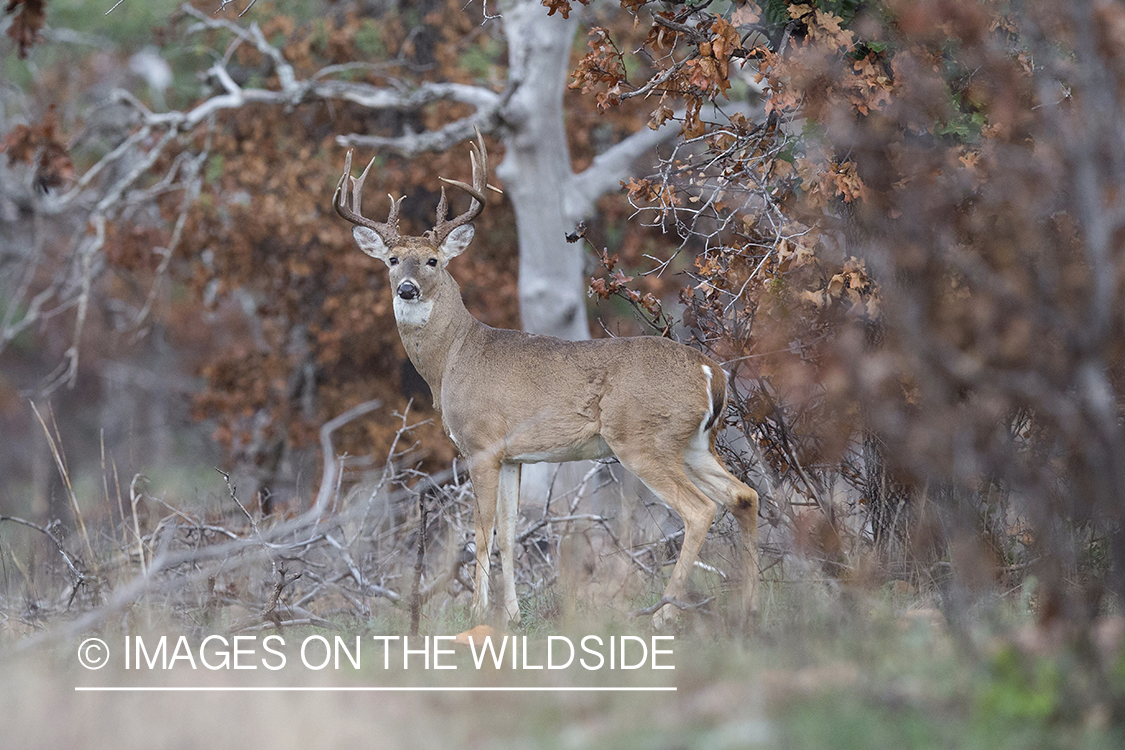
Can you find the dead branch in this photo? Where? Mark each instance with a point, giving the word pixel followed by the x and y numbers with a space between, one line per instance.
pixel 329 483
pixel 666 601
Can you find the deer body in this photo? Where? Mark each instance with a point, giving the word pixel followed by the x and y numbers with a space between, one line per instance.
pixel 507 398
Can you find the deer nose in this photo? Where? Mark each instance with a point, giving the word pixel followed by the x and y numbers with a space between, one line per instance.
pixel 408 290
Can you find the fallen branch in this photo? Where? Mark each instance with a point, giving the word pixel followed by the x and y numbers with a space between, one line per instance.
pixel 666 601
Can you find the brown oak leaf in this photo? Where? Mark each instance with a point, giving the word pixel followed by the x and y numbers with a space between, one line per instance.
pixel 28 19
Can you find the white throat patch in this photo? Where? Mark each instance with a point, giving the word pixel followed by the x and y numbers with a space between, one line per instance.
pixel 412 312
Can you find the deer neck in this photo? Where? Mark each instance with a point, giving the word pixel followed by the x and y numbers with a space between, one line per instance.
pixel 433 338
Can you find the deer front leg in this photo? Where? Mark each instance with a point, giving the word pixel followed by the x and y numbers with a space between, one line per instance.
pixel 507 512
pixel 485 474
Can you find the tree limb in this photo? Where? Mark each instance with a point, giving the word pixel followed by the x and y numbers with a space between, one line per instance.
pixel 610 167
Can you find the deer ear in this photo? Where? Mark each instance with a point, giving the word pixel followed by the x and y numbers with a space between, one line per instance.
pixel 457 241
pixel 371 243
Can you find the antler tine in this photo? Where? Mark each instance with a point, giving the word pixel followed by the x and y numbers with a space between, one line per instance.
pixel 478 155
pixel 340 186
pixel 357 186
pixel 479 158
pixel 392 218
pixel 388 231
pixel 442 207
pixel 482 158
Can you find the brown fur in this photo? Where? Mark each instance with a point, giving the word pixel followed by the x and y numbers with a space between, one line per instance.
pixel 509 397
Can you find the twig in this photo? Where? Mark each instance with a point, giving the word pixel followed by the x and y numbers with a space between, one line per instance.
pixel 328 481
pixel 71 562
pixel 64 474
pixel 282 582
pixel 667 600
pixel 546 520
pixel 415 600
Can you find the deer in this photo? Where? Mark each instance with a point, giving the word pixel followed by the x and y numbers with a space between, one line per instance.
pixel 507 397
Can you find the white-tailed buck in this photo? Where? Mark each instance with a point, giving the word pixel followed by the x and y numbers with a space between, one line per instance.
pixel 508 398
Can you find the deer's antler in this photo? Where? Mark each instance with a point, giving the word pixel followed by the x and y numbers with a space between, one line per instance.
pixel 388 231
pixel 444 226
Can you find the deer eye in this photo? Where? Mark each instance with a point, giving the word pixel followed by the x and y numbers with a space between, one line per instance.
pixel 431 262
pixel 393 261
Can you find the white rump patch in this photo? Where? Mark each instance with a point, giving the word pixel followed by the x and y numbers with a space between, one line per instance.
pixel 412 312
pixel 710 399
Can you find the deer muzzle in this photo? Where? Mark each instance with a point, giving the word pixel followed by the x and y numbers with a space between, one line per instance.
pixel 408 290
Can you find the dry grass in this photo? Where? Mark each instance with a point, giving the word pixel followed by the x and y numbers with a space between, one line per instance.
pixel 821 674
pixel 843 655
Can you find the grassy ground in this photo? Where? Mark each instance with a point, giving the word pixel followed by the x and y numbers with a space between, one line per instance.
pixel 824 672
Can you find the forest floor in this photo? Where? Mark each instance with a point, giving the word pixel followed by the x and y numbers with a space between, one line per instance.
pixel 837 671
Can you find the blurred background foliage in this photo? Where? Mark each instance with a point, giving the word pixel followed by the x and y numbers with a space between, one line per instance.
pixel 899 224
pixel 266 321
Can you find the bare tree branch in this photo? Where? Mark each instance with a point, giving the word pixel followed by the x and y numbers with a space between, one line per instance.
pixel 610 167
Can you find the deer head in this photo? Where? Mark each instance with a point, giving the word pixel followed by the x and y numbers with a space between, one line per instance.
pixel 417 264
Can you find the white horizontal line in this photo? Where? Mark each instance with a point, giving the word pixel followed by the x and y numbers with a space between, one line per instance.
pixel 368 689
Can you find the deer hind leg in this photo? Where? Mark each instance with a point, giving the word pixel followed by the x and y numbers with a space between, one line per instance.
pixel 665 476
pixel 709 474
pixel 485 474
pixel 507 512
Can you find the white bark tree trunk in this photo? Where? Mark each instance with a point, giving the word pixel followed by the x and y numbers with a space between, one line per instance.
pixel 548 197
pixel 536 170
